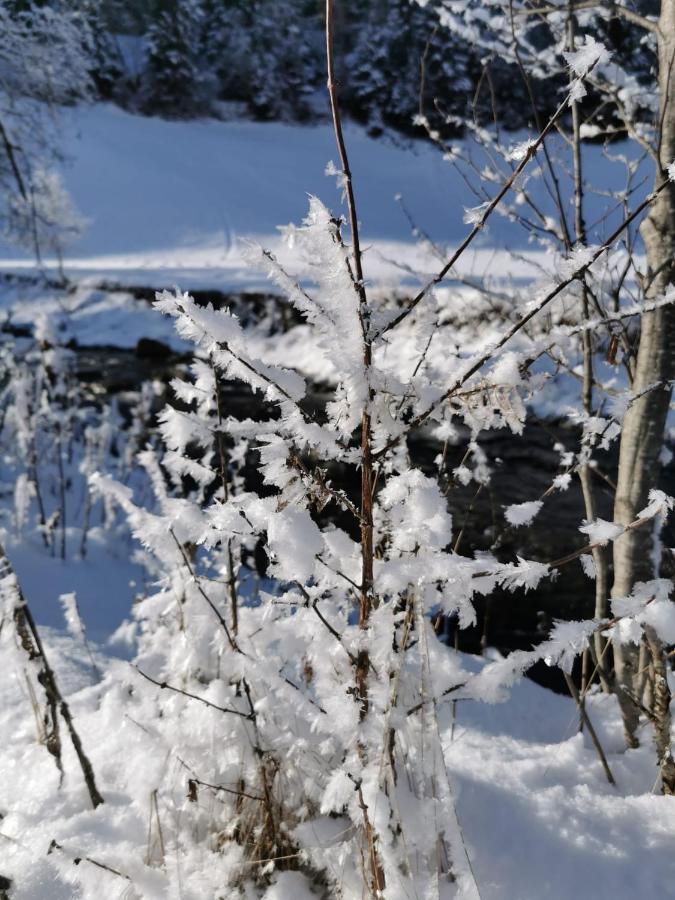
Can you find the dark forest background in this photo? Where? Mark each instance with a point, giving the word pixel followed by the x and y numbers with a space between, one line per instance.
pixel 265 59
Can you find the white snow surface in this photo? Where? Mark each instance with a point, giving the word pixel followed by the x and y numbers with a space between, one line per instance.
pixel 169 202
pixel 105 582
pixel 538 817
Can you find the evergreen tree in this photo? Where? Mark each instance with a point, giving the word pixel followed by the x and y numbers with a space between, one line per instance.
pixel 176 82
pixel 107 68
pixel 401 65
pixel 286 64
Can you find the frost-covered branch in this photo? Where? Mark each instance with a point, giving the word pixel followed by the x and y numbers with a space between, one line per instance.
pixel 523 154
pixel 577 273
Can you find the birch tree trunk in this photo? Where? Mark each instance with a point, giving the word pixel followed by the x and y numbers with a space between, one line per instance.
pixel 661 712
pixel 643 427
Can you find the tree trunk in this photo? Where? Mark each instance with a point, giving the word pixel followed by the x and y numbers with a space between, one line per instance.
pixel 661 710
pixel 643 427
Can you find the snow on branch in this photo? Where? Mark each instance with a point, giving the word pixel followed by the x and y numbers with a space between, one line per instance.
pixel 522 513
pixel 590 53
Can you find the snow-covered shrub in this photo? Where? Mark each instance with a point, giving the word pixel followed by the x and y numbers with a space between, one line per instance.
pixel 624 381
pixel 55 434
pixel 294 724
pixel 45 216
pixel 307 708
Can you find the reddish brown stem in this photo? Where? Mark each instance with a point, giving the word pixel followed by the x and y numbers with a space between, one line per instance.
pixel 366 598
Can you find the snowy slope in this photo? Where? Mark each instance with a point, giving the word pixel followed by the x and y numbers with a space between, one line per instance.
pixel 169 202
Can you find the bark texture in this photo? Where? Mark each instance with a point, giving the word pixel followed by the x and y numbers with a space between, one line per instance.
pixel 643 427
pixel 661 712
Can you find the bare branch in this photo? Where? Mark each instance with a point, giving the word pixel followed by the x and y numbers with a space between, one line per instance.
pixel 587 722
pixel 76 860
pixel 344 159
pixel 615 8
pixel 163 685
pixel 32 643
pixel 193 782
pixel 479 225
pixel 519 325
pixel 228 634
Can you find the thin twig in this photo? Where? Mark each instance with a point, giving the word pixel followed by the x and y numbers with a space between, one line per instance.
pixel 76 860
pixel 342 150
pixel 520 324
pixel 529 154
pixel 587 722
pixel 228 634
pixel 163 685
pixel 221 787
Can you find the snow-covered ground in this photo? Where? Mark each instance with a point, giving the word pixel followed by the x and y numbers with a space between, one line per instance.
pixel 538 818
pixel 170 202
pixel 105 581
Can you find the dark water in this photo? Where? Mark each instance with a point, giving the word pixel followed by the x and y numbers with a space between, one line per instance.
pixel 522 469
